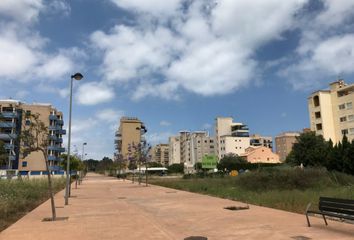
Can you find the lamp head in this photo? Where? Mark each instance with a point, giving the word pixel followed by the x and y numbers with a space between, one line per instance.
pixel 77 76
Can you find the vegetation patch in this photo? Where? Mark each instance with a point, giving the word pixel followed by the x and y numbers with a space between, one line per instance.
pixel 18 197
pixel 289 189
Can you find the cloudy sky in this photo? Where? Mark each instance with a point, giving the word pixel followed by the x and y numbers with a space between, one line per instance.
pixel 174 64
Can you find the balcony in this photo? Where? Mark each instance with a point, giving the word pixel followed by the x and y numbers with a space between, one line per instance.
pixel 7 124
pixel 8 114
pixel 56 148
pixel 53 158
pixel 60 122
pixel 7 136
pixel 53 137
pixel 53 117
pixel 9 146
pixel 62 131
pixel 55 168
pixel 54 128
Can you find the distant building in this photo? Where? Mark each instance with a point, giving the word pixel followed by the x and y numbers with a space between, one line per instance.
pixel 189 148
pixel 174 150
pixel 331 111
pixel 15 114
pixel 130 132
pixel 260 154
pixel 230 137
pixel 284 144
pixel 160 154
pixel 257 140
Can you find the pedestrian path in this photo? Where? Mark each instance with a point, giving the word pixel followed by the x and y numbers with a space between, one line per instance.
pixel 108 208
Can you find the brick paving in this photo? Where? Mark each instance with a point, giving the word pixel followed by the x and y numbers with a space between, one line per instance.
pixel 108 208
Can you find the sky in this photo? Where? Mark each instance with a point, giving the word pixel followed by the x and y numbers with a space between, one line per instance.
pixel 176 64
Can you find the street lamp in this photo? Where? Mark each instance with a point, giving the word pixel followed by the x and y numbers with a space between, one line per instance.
pixel 83 151
pixel 76 76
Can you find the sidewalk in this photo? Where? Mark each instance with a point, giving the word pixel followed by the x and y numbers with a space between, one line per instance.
pixel 107 208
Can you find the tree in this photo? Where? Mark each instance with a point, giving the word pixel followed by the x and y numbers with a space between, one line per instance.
pixel 310 150
pixel 35 138
pixel 75 163
pixel 91 164
pixel 232 162
pixel 176 168
pixel 141 152
pixel 198 167
pixel 4 156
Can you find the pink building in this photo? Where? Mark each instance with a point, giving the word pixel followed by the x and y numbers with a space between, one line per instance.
pixel 260 155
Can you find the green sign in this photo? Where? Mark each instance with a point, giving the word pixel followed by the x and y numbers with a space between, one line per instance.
pixel 209 161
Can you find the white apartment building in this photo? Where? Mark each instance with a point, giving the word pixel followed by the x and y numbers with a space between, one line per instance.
pixel 257 140
pixel 331 111
pixel 190 147
pixel 230 137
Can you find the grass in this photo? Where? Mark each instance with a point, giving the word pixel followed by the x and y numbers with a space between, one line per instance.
pixel 286 189
pixel 18 197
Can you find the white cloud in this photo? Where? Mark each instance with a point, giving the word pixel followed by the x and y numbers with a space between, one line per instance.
pixel 204 47
pixel 155 7
pixel 325 50
pixel 164 123
pixel 94 93
pixel 156 138
pixel 24 11
pixel 207 126
pixel 109 115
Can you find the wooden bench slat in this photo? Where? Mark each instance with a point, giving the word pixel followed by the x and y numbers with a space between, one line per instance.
pixel 336 205
pixel 336 200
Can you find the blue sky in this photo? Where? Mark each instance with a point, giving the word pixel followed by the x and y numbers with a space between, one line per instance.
pixel 174 64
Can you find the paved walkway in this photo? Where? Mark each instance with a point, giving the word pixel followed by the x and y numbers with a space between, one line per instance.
pixel 107 208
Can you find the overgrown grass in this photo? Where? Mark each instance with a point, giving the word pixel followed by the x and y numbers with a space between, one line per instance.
pixel 17 197
pixel 286 189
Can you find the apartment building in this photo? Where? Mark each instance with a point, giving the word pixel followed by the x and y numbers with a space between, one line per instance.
pixel 230 137
pixel 130 131
pixel 331 111
pixel 284 144
pixel 15 114
pixel 190 147
pixel 160 154
pixel 257 140
pixel 174 150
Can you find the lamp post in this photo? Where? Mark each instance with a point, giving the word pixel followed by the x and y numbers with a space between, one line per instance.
pixel 82 159
pixel 76 76
pixel 83 151
pixel 140 149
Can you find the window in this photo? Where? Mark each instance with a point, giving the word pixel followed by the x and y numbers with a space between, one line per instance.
pixel 319 127
pixel 344 131
pixel 349 105
pixel 350 118
pixel 318 114
pixel 341 107
pixel 343 119
pixel 24 164
pixel 316 101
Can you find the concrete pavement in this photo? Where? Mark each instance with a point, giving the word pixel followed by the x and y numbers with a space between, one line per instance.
pixel 107 208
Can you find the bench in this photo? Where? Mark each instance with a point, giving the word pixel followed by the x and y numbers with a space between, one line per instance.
pixel 333 207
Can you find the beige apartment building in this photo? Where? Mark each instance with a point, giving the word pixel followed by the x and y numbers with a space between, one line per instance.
pixel 284 144
pixel 260 154
pixel 331 111
pixel 160 154
pixel 231 137
pixel 174 150
pixel 130 132
pixel 13 116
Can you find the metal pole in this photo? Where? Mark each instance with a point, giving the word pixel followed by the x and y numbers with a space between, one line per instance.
pixel 69 142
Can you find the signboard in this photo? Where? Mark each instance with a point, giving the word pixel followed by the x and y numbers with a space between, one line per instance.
pixel 209 162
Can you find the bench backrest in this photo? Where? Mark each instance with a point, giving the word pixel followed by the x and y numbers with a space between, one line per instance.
pixel 337 205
